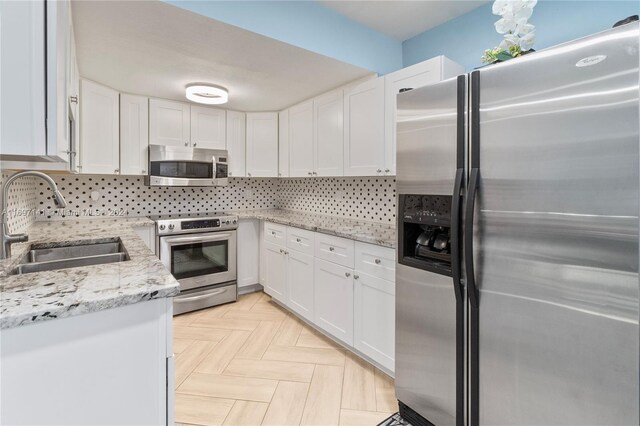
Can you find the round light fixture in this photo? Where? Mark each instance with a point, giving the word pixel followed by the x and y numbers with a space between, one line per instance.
pixel 210 95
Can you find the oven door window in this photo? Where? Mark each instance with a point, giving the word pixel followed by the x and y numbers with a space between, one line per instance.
pixel 182 169
pixel 192 260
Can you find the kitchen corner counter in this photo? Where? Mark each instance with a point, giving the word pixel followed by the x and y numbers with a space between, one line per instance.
pixel 42 296
pixel 359 230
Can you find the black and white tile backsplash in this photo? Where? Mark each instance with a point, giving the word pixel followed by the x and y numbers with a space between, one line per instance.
pixel 365 198
pixel 22 202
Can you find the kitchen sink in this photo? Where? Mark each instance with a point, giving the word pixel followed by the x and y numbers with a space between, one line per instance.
pixel 49 257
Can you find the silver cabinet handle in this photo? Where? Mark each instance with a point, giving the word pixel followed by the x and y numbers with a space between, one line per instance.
pixel 315 173
pixel 310 174
pixel 297 240
pixel 230 174
pixel 279 174
pixel 379 170
pixel 286 253
pixel 186 144
pixel 331 249
pixel 281 251
pixel 387 170
pixel 116 171
pixel 347 274
pixel 194 144
pixel 273 233
pixel 377 261
pixel 355 277
pixel 144 172
pixel 249 174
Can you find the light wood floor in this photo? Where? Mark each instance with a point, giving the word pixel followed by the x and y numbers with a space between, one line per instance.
pixel 252 363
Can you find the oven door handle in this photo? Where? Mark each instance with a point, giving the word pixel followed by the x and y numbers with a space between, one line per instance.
pixel 172 241
pixel 200 297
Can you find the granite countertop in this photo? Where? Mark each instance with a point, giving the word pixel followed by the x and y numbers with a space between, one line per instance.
pixel 42 296
pixel 359 230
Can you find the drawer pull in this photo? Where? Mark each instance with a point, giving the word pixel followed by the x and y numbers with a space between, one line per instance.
pixel 297 240
pixel 281 251
pixel 347 274
pixel 378 261
pixel 331 249
pixel 273 233
pixel 355 277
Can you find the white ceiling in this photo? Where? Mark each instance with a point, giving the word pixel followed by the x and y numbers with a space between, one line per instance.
pixel 402 19
pixel 155 49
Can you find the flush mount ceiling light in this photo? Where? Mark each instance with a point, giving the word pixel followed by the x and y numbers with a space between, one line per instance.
pixel 205 94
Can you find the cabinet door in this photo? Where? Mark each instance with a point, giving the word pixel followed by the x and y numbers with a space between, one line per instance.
pixel 99 130
pixel 208 127
pixel 236 138
pixel 375 318
pixel 301 140
pixel 74 109
pixel 283 143
pixel 134 134
pixel 300 283
pixel 275 284
pixel 169 123
pixel 262 144
pixel 333 299
pixel 364 129
pixel 328 146
pixel 248 252
pixel 22 76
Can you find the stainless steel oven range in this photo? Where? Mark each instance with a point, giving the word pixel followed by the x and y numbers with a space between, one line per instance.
pixel 200 252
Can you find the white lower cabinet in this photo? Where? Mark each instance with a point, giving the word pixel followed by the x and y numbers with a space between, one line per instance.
pixel 300 283
pixel 333 300
pixel 275 270
pixel 375 318
pixel 343 287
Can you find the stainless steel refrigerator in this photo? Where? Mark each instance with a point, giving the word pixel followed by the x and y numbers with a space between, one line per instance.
pixel 517 279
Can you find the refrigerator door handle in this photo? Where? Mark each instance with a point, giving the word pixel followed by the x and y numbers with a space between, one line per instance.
pixel 455 235
pixel 468 237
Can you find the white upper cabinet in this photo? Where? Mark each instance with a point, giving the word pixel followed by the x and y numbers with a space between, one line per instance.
pixel 262 144
pixel 364 138
pixel 22 76
pixel 236 140
pixel 328 147
pixel 422 74
pixel 58 51
pixel 99 130
pixel 301 140
pixel 134 134
pixel 169 123
pixel 283 143
pixel 208 128
pixel 36 67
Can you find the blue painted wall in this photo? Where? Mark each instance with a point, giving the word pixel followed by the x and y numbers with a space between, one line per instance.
pixel 464 39
pixel 309 25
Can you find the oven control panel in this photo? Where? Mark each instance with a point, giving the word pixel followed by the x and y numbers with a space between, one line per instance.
pixel 192 225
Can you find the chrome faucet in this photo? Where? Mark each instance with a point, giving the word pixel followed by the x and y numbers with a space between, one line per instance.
pixel 8 238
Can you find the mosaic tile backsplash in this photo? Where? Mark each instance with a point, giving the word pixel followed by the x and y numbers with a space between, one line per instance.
pixel 22 202
pixel 365 198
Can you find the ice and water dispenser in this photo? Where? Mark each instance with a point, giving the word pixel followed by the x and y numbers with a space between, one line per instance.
pixel 425 230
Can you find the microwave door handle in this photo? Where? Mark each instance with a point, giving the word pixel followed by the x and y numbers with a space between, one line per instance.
pixel 215 169
pixel 186 240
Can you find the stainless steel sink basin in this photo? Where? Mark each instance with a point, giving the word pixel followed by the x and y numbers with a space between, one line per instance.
pixel 70 252
pixel 71 255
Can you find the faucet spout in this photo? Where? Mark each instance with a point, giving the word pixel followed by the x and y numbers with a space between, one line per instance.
pixel 8 238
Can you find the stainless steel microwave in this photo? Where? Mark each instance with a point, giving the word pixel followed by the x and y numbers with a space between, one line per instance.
pixel 184 166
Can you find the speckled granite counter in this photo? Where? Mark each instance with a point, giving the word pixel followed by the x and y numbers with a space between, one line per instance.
pixel 41 296
pixel 358 230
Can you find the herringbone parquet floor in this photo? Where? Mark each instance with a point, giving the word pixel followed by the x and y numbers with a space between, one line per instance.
pixel 252 363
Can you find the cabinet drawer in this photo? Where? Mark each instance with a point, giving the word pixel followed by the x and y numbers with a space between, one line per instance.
pixel 375 260
pixel 300 240
pixel 275 233
pixel 335 249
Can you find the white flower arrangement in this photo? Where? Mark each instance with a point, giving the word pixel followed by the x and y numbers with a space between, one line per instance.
pixel 519 34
